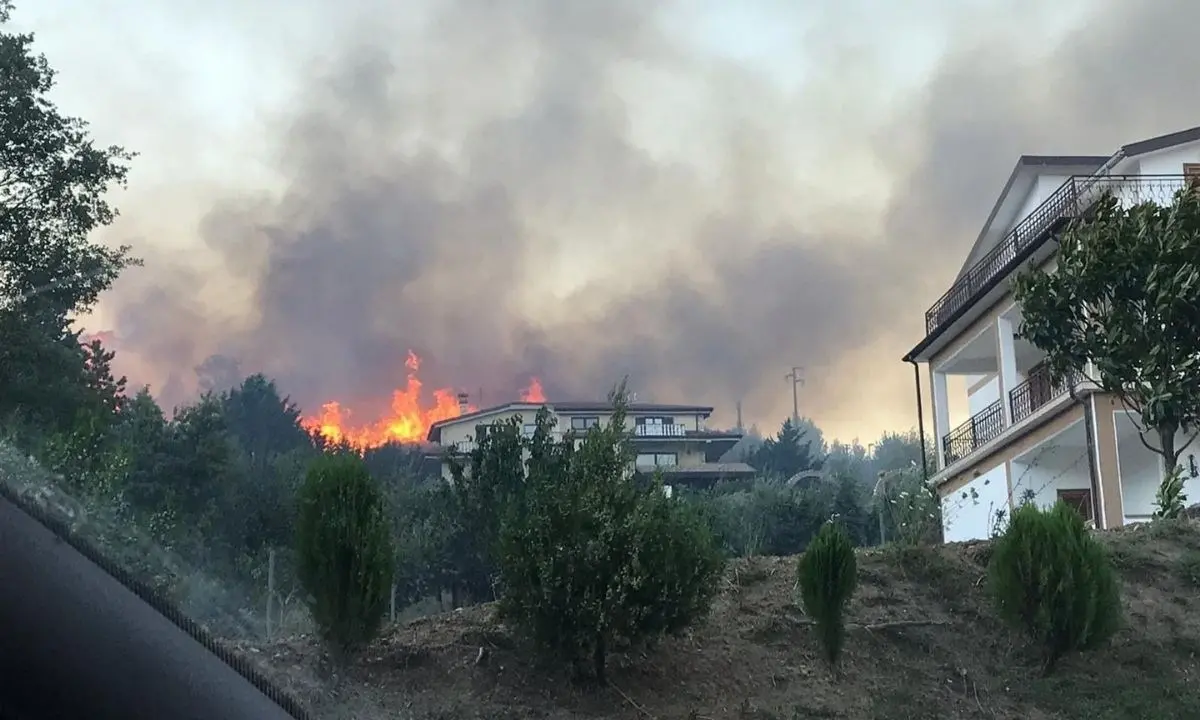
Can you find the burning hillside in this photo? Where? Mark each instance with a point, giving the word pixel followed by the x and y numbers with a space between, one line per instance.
pixel 411 413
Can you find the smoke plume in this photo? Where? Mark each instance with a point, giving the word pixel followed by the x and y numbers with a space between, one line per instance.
pixel 584 190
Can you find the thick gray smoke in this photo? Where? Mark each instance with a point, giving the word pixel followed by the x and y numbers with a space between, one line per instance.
pixel 571 190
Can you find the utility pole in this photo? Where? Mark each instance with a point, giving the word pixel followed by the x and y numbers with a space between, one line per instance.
pixel 796 377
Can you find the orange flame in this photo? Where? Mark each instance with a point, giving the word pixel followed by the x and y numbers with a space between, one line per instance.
pixel 533 393
pixel 408 421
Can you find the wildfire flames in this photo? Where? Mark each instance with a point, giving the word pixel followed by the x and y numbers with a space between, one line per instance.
pixel 409 418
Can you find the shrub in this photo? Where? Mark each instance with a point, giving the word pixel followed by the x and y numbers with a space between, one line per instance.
pixel 344 551
pixel 1170 499
pixel 592 559
pixel 827 573
pixel 1051 579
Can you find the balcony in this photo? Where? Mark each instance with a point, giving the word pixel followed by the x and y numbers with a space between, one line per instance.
pixel 1074 199
pixel 1037 390
pixel 658 431
pixel 982 428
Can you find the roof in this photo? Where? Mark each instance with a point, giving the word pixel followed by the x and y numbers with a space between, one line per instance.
pixel 1026 172
pixel 564 408
pixel 1022 177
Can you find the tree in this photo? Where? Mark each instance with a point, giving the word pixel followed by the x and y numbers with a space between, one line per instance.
pixel 1050 578
pixel 53 181
pixel 791 451
pixel 1124 298
pixel 827 574
pixel 345 552
pixel 592 559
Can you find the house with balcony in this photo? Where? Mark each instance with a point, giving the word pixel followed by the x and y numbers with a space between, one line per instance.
pixel 1005 431
pixel 671 439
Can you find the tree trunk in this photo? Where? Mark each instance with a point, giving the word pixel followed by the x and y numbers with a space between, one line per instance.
pixel 1166 439
pixel 598 657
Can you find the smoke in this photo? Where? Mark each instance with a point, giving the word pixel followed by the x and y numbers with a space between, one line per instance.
pixel 585 190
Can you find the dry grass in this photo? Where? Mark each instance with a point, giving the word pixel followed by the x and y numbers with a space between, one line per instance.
pixel 925 645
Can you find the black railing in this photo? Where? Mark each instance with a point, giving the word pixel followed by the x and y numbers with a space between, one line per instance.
pixel 983 427
pixel 1037 390
pixel 1072 200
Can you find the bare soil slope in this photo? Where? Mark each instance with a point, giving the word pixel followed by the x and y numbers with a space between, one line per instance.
pixel 926 645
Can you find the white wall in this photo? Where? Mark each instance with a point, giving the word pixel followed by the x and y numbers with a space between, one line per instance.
pixel 984 395
pixel 968 513
pixel 1042 189
pixel 1163 162
pixel 1049 469
pixel 1142 470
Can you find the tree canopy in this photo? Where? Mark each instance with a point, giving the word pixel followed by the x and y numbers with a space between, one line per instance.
pixel 1122 306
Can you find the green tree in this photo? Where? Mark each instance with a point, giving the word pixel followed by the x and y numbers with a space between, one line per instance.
pixel 482 490
pixel 53 182
pixel 592 559
pixel 1124 297
pixel 1051 579
pixel 797 447
pixel 344 552
pixel 827 574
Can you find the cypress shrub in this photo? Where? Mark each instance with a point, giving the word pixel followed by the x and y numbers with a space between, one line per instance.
pixel 828 573
pixel 345 552
pixel 1053 581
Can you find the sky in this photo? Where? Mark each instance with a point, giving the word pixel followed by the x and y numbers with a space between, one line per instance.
pixel 698 194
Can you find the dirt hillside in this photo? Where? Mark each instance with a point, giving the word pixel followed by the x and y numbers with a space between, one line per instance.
pixel 926 645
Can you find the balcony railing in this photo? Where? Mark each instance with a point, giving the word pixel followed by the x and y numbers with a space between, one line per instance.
pixel 1037 390
pixel 985 426
pixel 1072 200
pixel 671 430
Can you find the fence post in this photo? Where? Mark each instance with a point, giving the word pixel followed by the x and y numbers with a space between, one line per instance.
pixel 270 589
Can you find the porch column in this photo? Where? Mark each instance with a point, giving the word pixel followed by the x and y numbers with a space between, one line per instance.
pixel 941 414
pixel 1007 353
pixel 1112 511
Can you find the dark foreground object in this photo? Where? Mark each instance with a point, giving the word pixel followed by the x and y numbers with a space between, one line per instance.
pixel 77 643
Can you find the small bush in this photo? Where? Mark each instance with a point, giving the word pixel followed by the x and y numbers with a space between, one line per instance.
pixel 593 560
pixel 1051 579
pixel 344 551
pixel 828 573
pixel 1170 500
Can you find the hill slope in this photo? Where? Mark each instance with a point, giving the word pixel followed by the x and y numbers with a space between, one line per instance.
pixel 926 645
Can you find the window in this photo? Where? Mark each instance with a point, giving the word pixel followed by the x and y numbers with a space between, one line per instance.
pixel 583 423
pixel 1081 500
pixel 1191 174
pixel 654 421
pixel 529 429
pixel 652 460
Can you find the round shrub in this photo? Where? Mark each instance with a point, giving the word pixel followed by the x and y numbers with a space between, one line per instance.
pixel 828 573
pixel 344 551
pixel 1055 582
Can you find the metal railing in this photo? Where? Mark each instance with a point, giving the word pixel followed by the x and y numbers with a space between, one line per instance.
pixel 983 427
pixel 1073 199
pixel 670 430
pixel 1037 390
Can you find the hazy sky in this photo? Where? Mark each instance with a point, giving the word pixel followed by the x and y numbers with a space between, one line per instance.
pixel 697 193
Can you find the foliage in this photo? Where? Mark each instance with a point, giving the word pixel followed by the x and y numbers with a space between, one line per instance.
pixel 790 452
pixel 1050 578
pixel 482 492
pixel 592 559
pixel 827 574
pixel 344 551
pixel 1170 499
pixel 911 510
pixel 1123 297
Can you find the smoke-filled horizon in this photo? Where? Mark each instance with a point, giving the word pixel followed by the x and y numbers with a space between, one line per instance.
pixel 694 197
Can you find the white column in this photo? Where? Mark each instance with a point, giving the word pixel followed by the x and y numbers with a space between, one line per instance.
pixel 1007 354
pixel 941 415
